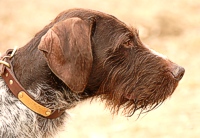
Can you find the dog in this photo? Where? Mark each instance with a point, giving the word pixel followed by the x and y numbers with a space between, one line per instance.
pixel 82 54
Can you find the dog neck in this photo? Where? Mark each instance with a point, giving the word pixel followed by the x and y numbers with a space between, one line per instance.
pixel 41 88
pixel 6 71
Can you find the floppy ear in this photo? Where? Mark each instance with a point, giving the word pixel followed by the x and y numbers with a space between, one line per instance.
pixel 67 48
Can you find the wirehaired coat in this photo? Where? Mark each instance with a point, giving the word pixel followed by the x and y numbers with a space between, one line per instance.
pixel 84 54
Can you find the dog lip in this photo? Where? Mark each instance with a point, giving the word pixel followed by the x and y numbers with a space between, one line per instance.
pixel 129 96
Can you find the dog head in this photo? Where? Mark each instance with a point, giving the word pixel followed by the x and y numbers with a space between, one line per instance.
pixel 96 53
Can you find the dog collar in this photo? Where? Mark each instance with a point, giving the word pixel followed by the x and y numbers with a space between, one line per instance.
pixel 18 91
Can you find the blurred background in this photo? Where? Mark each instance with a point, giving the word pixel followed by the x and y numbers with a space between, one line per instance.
pixel 170 27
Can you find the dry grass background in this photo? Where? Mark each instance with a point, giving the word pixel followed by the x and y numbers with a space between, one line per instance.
pixel 170 27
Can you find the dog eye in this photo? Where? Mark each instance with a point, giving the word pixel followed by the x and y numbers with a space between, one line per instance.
pixel 128 43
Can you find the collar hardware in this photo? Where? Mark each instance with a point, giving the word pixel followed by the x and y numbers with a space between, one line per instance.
pixel 6 72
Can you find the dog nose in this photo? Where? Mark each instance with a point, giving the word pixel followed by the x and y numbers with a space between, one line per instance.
pixel 178 72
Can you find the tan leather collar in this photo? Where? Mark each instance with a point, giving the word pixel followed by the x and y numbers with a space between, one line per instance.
pixel 15 87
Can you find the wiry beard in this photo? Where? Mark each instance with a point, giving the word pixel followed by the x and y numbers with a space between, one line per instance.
pixel 147 86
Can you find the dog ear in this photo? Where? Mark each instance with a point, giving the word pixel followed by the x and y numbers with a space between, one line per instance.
pixel 67 48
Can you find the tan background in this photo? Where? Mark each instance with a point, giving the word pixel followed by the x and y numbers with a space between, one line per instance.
pixel 170 27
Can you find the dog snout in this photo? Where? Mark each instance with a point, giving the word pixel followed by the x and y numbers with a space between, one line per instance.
pixel 177 72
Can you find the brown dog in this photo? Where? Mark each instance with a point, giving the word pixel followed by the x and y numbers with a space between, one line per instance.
pixel 83 54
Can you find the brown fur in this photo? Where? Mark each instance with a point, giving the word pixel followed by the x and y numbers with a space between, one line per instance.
pixel 122 66
pixel 88 54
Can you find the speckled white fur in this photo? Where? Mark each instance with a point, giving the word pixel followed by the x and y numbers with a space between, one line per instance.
pixel 17 121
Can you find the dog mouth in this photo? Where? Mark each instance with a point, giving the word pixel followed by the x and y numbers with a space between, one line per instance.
pixel 148 98
pixel 159 89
